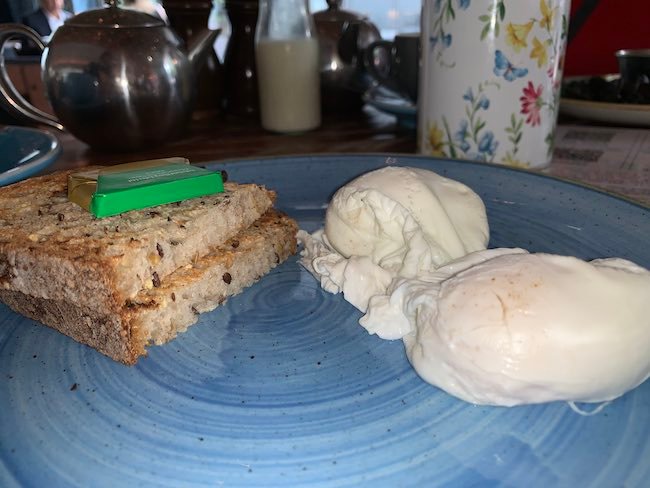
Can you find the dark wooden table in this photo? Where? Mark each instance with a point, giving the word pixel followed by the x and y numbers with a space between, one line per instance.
pixel 220 137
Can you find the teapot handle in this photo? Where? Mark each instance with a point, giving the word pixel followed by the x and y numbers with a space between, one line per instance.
pixel 384 77
pixel 10 98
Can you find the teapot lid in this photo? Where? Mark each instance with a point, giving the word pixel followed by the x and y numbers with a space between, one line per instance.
pixel 334 13
pixel 113 17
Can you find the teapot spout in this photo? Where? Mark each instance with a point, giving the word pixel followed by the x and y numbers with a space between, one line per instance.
pixel 199 47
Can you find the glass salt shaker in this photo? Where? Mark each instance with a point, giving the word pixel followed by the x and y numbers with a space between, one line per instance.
pixel 286 53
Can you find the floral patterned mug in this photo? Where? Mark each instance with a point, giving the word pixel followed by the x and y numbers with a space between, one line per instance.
pixel 490 79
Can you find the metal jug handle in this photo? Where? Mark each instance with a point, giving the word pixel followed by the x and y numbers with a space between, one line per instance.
pixel 381 74
pixel 10 98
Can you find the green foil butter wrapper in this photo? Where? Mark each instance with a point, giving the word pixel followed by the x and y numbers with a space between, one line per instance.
pixel 117 189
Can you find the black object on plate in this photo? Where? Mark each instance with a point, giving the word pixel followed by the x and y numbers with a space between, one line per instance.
pixel 608 89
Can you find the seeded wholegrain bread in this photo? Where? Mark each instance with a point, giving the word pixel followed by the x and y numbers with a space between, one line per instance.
pixel 158 314
pixel 51 248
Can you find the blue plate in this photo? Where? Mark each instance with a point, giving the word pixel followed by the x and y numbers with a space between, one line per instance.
pixel 392 103
pixel 282 387
pixel 24 152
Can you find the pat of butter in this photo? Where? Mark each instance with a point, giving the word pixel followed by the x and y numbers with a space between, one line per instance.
pixel 116 189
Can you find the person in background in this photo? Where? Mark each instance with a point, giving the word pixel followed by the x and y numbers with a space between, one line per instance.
pixel 151 7
pixel 6 15
pixel 47 18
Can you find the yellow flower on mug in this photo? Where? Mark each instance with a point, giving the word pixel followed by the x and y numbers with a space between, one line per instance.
pixel 546 22
pixel 436 142
pixel 510 160
pixel 517 35
pixel 539 52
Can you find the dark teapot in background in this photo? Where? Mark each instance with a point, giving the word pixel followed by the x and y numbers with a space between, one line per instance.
pixel 343 38
pixel 117 79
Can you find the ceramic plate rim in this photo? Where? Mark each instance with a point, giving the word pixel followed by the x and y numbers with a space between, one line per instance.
pixel 318 158
pixel 623 113
pixel 41 161
pixel 358 162
pixel 387 102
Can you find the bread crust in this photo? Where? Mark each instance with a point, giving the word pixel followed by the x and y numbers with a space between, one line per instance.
pixel 156 315
pixel 53 249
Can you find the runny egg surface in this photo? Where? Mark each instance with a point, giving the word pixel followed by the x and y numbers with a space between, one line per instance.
pixel 505 327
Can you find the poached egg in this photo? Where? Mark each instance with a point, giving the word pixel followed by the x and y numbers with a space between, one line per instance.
pixel 505 327
pixel 392 222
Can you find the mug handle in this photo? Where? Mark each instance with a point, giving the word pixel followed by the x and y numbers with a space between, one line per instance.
pixel 10 98
pixel 383 78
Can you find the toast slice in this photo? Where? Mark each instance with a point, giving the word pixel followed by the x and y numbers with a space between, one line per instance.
pixel 156 315
pixel 53 249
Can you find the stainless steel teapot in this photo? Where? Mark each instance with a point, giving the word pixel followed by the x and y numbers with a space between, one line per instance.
pixel 117 79
pixel 343 36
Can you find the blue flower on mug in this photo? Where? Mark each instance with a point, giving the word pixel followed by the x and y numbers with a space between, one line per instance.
pixel 503 67
pixel 487 145
pixel 461 136
pixel 483 102
pixel 472 139
pixel 446 40
pixel 440 37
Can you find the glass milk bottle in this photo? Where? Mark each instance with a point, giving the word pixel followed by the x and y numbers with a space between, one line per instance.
pixel 286 53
